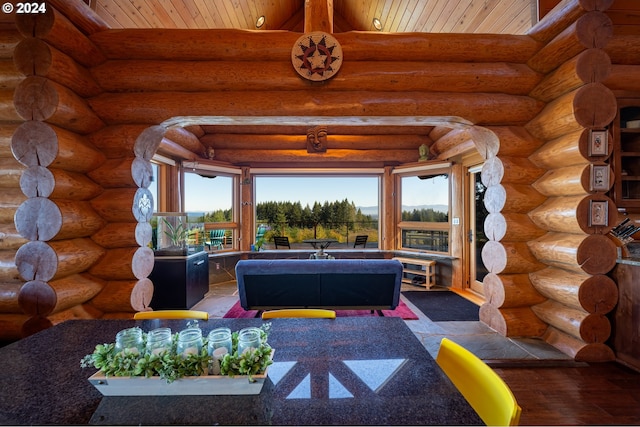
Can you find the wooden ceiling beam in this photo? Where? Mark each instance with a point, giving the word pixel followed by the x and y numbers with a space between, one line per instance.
pixel 318 16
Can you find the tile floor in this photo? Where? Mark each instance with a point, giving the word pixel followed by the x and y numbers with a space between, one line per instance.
pixel 476 336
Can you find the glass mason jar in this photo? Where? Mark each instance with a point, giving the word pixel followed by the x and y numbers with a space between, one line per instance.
pixel 219 339
pixel 248 339
pixel 219 344
pixel 189 342
pixel 130 339
pixel 159 341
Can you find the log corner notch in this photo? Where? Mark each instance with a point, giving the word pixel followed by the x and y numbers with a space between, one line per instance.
pixel 576 255
pixel 69 267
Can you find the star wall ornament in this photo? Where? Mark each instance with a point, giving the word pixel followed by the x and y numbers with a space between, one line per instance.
pixel 316 56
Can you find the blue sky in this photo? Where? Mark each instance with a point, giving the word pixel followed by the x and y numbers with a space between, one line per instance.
pixel 205 195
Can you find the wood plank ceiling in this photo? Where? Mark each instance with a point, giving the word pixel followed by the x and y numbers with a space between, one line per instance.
pixel 437 16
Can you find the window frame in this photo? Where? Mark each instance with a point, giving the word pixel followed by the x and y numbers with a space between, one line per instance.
pixel 430 168
pixel 219 170
pixel 377 173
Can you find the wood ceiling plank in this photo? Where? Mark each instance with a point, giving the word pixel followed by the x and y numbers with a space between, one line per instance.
pixel 447 12
pixel 230 17
pixel 166 14
pixel 189 14
pixel 415 17
pixel 506 20
pixel 458 16
pixel 108 13
pixel 461 25
pixel 126 8
pixel 425 23
pixel 199 7
pixel 406 15
pixel 484 13
pixel 384 15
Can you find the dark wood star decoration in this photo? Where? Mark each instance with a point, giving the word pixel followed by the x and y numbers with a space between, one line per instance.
pixel 317 56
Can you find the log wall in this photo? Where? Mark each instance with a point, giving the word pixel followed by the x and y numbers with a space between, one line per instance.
pixel 11 315
pixel 76 184
pixel 81 238
pixel 559 286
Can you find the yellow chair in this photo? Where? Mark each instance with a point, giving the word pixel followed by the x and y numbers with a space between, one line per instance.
pixel 171 314
pixel 299 312
pixel 485 391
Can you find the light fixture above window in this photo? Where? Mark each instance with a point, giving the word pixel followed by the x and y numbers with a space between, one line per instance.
pixel 260 21
pixel 377 24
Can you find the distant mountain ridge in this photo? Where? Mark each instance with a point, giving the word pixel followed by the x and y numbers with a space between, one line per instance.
pixel 373 210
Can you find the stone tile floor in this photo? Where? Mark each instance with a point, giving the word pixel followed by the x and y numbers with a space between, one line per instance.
pixel 483 341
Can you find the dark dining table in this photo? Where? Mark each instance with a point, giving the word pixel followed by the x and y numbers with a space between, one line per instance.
pixel 346 371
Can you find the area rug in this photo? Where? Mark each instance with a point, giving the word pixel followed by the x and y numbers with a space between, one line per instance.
pixel 443 306
pixel 403 311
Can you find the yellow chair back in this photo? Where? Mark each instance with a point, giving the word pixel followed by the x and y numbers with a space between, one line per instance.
pixel 171 314
pixel 299 312
pixel 485 391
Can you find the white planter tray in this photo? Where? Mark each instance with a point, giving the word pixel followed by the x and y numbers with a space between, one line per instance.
pixel 156 386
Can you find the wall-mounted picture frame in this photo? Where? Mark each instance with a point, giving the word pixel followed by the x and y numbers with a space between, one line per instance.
pixel 599 178
pixel 598 213
pixel 598 143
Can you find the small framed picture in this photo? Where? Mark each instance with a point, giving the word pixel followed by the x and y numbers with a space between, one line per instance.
pixel 598 213
pixel 598 143
pixel 599 178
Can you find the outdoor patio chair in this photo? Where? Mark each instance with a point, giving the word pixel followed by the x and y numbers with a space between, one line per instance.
pixel 216 239
pixel 281 241
pixel 485 391
pixel 171 314
pixel 361 240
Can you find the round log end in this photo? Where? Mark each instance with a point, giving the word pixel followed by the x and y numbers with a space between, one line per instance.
pixel 597 254
pixel 36 98
pixel 32 57
pixel 594 106
pixel 141 295
pixel 37 181
pixel 596 352
pixel 144 233
pixel 598 294
pixel 35 25
pixel 38 218
pixel 588 212
pixel 142 262
pixel 37 298
pixel 495 198
pixel 35 324
pixel 593 65
pixel 494 257
pixel 142 205
pixel 494 292
pixel 142 172
pixel 34 144
pixel 492 172
pixel 595 328
pixel 495 226
pixel 36 261
pixel 594 29
pixel 492 317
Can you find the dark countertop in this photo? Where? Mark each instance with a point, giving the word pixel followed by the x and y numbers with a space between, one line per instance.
pixel 326 371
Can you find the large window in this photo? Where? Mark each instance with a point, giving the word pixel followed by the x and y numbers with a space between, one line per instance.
pixel 209 203
pixel 424 211
pixel 304 206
